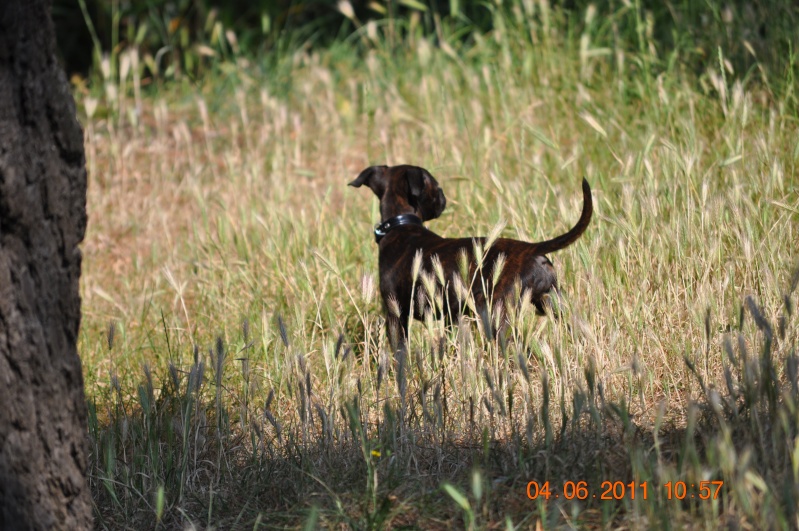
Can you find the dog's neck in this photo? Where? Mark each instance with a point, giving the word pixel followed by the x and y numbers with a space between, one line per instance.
pixel 381 229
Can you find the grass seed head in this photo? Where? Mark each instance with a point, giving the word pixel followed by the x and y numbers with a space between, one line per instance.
pixel 417 265
pixel 284 337
pixel 393 306
pixel 496 230
pixel 368 288
pixel 499 265
pixel 112 327
pixel 463 266
pixel 439 270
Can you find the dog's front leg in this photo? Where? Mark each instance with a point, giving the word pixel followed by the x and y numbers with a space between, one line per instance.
pixel 397 332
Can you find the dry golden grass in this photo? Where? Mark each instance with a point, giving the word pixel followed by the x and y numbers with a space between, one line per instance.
pixel 227 204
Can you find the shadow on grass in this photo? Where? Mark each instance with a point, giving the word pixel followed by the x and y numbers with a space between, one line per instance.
pixel 195 454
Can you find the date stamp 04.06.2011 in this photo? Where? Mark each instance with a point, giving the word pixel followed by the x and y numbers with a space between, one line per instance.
pixel 618 490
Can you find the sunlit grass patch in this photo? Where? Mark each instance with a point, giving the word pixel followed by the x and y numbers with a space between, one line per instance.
pixel 247 379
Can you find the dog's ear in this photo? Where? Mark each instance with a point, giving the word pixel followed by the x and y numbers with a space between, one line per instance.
pixel 374 178
pixel 425 194
pixel 416 181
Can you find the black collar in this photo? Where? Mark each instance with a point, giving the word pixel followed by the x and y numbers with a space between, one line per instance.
pixel 381 229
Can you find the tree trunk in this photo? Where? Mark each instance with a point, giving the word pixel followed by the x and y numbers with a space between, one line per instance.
pixel 43 435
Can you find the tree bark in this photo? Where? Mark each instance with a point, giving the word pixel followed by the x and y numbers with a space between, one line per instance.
pixel 43 435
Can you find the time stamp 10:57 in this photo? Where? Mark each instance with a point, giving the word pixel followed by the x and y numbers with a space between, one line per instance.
pixel 617 490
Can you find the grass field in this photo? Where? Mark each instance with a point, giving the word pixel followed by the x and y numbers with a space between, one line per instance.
pixel 232 337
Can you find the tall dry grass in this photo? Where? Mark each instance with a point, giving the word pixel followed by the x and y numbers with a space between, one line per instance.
pixel 233 338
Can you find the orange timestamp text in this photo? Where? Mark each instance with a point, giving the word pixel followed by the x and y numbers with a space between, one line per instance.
pixel 617 490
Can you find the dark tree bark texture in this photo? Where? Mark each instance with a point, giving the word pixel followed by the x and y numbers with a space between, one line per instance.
pixel 43 436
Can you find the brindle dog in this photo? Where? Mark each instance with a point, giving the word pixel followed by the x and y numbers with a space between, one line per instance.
pixel 408 196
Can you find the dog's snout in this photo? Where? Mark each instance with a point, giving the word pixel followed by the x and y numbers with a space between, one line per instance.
pixel 442 202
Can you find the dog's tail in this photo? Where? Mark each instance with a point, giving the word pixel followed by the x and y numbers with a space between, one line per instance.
pixel 564 240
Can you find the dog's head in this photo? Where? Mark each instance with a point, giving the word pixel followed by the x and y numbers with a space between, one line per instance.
pixel 404 190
